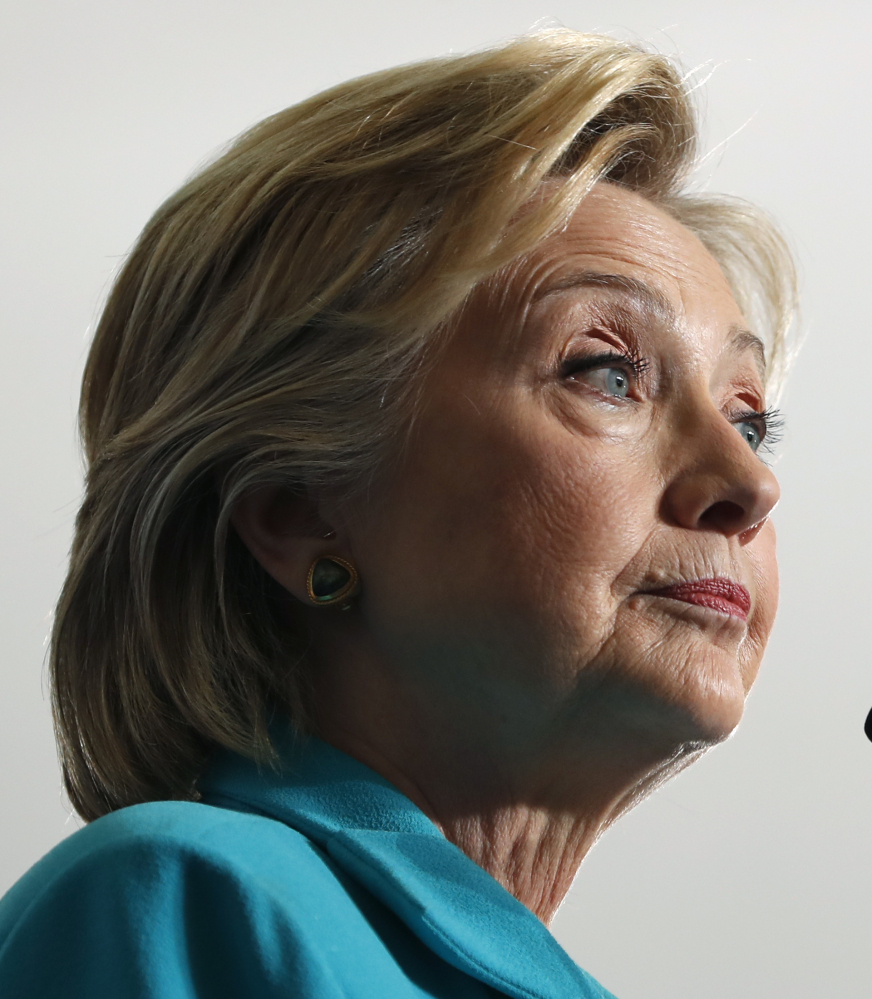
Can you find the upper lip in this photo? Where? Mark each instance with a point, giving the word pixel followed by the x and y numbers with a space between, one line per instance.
pixel 718 593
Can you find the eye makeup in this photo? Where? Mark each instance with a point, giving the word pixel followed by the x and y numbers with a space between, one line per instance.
pixel 769 424
pixel 615 326
pixel 632 362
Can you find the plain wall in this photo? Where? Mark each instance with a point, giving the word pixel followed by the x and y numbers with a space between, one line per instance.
pixel 748 876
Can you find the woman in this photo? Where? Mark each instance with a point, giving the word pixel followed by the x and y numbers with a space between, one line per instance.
pixel 426 531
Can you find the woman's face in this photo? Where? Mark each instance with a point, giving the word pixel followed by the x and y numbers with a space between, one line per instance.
pixel 582 467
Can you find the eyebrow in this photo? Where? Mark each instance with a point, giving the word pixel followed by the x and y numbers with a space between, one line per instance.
pixel 652 299
pixel 741 340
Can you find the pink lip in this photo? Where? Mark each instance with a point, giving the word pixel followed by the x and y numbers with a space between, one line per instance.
pixel 717 594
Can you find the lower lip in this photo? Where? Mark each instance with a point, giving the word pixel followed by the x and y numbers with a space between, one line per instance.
pixel 722 595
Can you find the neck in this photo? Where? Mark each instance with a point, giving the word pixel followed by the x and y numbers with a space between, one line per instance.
pixel 526 799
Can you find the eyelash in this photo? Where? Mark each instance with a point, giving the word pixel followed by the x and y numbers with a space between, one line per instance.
pixel 631 361
pixel 770 422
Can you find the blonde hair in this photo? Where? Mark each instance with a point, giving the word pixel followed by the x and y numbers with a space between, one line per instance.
pixel 268 328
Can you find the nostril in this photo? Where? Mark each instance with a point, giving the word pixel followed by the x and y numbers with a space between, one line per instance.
pixel 727 491
pixel 725 515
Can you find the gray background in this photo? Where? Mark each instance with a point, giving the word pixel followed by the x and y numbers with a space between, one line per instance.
pixel 750 875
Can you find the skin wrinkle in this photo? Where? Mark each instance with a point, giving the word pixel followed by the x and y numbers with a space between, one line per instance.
pixel 650 298
pixel 505 665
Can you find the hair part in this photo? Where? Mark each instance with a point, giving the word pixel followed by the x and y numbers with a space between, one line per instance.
pixel 269 328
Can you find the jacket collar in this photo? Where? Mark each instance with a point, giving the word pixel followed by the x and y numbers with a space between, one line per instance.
pixel 386 843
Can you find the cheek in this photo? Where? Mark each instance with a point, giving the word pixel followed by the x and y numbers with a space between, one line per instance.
pixel 509 536
pixel 583 518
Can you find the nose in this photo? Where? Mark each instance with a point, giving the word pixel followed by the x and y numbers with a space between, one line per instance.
pixel 717 483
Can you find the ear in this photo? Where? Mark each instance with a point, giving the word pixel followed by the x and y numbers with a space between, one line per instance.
pixel 286 534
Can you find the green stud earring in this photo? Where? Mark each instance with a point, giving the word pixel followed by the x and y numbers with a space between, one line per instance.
pixel 331 581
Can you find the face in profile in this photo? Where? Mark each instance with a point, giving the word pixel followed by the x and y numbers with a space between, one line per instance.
pixel 577 533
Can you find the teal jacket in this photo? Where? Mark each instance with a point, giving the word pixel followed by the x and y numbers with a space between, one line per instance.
pixel 322 882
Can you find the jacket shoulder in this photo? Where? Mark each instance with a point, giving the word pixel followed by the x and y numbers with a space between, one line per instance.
pixel 171 832
pixel 174 899
pixel 144 845
pixel 184 900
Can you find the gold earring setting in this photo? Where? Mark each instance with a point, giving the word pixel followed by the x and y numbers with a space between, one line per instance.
pixel 332 580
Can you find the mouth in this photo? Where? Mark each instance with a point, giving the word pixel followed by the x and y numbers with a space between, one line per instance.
pixel 721 595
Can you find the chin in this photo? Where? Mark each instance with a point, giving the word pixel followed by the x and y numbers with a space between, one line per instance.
pixel 687 670
pixel 700 705
pixel 709 707
pixel 716 722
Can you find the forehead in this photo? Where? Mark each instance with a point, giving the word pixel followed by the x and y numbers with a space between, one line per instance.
pixel 621 247
pixel 615 231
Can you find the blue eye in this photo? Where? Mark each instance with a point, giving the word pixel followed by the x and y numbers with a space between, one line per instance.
pixel 761 431
pixel 751 434
pixel 611 381
pixel 605 375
